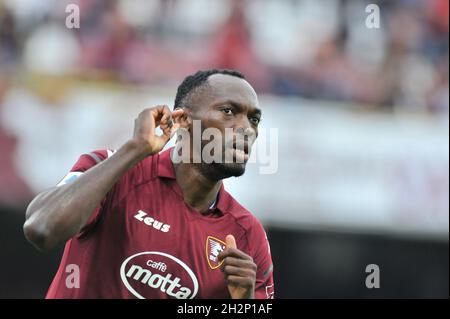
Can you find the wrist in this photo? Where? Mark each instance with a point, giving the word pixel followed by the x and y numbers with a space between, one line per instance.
pixel 137 149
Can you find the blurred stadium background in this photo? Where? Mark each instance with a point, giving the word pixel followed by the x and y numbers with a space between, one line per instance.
pixel 362 114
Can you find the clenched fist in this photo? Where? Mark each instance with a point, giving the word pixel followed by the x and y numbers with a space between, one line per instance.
pixel 147 122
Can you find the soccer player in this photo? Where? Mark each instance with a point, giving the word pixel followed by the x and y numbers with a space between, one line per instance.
pixel 140 223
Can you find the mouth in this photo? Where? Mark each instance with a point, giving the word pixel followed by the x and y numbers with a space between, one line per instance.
pixel 242 147
pixel 241 153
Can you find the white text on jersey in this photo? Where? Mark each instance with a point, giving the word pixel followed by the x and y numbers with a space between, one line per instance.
pixel 149 221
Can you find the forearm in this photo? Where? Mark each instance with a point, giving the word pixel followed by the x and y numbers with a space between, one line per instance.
pixel 55 216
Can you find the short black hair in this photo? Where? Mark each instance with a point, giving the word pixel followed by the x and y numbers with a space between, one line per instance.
pixel 193 81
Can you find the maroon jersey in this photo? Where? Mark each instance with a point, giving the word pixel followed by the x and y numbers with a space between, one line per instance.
pixel 144 241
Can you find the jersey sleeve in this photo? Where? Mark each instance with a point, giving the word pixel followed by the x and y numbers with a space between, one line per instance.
pixel 264 287
pixel 84 163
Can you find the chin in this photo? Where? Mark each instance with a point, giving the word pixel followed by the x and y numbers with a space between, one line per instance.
pixel 229 169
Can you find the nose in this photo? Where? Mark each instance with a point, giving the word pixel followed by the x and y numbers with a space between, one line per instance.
pixel 246 136
pixel 244 127
pixel 248 131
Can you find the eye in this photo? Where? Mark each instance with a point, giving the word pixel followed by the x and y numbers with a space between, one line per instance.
pixel 254 120
pixel 227 111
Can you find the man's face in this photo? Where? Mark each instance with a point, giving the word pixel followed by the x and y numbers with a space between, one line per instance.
pixel 230 105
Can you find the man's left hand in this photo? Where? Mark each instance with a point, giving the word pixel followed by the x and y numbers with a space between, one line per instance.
pixel 239 270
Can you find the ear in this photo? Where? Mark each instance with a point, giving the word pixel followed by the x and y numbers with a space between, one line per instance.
pixel 184 120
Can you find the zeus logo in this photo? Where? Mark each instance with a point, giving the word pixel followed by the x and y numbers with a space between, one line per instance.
pixel 149 221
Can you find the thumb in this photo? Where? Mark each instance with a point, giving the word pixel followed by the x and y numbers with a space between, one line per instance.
pixel 230 241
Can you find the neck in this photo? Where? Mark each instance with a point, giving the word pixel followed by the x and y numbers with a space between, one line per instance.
pixel 199 191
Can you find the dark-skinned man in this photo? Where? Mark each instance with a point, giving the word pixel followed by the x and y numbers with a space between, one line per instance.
pixel 141 223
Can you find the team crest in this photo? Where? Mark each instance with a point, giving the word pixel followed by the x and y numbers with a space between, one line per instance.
pixel 213 248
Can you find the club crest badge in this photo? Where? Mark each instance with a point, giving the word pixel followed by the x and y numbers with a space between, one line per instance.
pixel 213 248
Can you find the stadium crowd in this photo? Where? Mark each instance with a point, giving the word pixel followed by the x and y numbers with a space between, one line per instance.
pixel 313 49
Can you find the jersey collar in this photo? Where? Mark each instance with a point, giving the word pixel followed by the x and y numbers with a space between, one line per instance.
pixel 165 169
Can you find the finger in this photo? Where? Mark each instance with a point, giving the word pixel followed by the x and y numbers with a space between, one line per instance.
pixel 157 110
pixel 177 113
pixel 238 262
pixel 169 131
pixel 166 123
pixel 170 119
pixel 158 113
pixel 230 241
pixel 163 139
pixel 233 252
pixel 239 281
pixel 238 271
pixel 166 132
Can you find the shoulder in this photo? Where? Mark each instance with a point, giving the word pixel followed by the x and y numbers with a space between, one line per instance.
pixel 84 163
pixel 88 160
pixel 145 168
